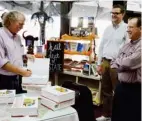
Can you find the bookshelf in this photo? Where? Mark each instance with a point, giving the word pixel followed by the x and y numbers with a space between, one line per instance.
pixel 79 46
pixel 77 52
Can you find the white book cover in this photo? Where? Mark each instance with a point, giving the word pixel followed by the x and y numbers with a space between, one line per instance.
pixel 7 96
pixel 93 67
pixel 73 46
pixel 24 105
pixel 40 72
pixel 58 93
pixel 55 105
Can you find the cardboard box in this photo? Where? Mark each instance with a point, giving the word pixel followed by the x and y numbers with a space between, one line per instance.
pixel 56 105
pixel 57 93
pixel 23 106
pixel 7 96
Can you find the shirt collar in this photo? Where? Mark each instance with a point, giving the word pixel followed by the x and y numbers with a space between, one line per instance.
pixel 136 41
pixel 9 33
pixel 118 25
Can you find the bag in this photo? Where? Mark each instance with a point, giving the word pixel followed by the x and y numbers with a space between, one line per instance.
pixel 83 101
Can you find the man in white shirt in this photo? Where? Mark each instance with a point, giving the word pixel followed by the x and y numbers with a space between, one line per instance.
pixel 113 39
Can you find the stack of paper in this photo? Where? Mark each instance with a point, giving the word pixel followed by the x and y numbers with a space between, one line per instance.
pixel 40 72
pixel 7 96
pixel 23 106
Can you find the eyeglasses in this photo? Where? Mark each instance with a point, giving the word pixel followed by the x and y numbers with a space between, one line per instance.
pixel 115 13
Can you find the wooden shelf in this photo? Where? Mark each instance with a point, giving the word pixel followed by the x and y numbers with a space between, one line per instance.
pixel 78 74
pixel 90 37
pixel 77 53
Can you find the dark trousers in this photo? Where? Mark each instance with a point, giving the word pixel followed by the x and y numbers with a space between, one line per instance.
pixel 109 80
pixel 127 102
pixel 11 82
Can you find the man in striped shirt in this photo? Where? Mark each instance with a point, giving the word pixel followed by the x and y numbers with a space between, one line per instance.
pixel 127 97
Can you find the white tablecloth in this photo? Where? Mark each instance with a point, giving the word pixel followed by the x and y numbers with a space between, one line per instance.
pixel 45 114
pixel 66 114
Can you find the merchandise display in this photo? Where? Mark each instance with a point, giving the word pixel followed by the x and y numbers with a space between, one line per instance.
pixel 81 47
pixel 79 60
pixel 57 69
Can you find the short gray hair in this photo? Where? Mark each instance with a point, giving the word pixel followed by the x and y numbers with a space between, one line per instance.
pixel 11 17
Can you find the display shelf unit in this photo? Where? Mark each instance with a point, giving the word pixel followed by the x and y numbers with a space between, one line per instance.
pixel 86 53
pixel 83 46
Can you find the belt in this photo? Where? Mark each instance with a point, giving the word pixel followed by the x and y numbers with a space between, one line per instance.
pixel 104 58
pixel 8 76
pixel 126 83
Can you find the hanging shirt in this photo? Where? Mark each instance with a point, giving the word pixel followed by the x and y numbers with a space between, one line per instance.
pixel 128 62
pixel 113 39
pixel 11 50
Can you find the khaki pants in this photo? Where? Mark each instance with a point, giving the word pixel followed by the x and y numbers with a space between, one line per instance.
pixel 109 80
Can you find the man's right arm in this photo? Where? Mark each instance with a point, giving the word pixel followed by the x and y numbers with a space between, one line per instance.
pixel 6 65
pixel 100 55
pixel 11 68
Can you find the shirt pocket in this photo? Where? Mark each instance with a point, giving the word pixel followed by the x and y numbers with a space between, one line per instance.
pixel 130 51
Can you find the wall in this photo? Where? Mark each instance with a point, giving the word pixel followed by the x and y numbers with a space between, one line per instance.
pixel 32 27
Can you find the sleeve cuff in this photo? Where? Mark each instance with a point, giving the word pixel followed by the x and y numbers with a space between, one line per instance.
pixel 3 62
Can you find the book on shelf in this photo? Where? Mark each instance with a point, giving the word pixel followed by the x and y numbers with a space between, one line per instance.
pixel 80 47
pixel 73 46
pixel 94 70
pixel 87 69
pixel 7 96
pixel 67 46
pixel 23 106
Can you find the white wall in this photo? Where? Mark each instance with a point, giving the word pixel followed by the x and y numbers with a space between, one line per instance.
pixel 78 10
pixel 32 27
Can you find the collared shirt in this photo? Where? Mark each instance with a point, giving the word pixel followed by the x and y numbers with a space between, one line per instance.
pixel 128 62
pixel 113 39
pixel 11 50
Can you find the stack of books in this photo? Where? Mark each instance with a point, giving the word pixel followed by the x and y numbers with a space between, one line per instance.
pixel 7 96
pixel 23 106
pixel 79 47
pixel 57 97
